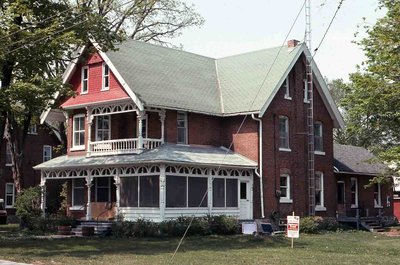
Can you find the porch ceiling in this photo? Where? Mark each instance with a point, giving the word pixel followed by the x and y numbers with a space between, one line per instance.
pixel 166 153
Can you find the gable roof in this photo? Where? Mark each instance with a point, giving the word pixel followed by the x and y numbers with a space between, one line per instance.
pixel 356 160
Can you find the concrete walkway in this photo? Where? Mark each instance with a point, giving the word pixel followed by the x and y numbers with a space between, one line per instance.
pixel 6 262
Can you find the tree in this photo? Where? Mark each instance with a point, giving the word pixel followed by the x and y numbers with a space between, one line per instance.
pixel 372 99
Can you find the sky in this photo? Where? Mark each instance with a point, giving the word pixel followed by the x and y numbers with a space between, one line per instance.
pixel 237 26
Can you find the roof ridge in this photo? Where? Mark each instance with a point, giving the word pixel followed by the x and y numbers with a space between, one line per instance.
pixel 219 87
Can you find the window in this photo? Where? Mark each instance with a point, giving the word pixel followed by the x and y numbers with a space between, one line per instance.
pixel 32 128
pixel 10 195
pixel 79 132
pixel 186 191
pixel 182 127
pixel 354 192
pixel 285 188
pixel 85 80
pixel 46 153
pixel 318 138
pixel 144 127
pixel 78 192
pixel 377 195
pixel 103 128
pixel 340 192
pixel 106 77
pixel 319 191
pixel 225 193
pixel 8 155
pixel 140 191
pixel 305 90
pixel 284 133
pixel 103 193
pixel 286 88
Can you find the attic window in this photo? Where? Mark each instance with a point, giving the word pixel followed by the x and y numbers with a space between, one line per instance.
pixel 106 77
pixel 286 88
pixel 85 80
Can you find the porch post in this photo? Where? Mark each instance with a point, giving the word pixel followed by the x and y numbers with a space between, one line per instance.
pixel 89 123
pixel 162 192
pixel 162 120
pixel 117 183
pixel 210 189
pixel 43 194
pixel 140 117
pixel 89 185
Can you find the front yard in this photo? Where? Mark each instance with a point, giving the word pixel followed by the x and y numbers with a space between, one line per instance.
pixel 333 248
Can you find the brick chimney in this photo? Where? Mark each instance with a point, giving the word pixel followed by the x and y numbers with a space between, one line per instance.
pixel 292 43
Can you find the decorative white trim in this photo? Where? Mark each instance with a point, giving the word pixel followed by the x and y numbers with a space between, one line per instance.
pixel 115 108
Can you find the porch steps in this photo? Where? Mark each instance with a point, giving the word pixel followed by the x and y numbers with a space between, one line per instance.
pixel 101 228
pixel 372 224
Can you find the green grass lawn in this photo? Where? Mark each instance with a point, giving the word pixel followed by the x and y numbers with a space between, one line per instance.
pixel 334 248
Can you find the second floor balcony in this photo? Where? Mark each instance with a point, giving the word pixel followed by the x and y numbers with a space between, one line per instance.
pixel 122 146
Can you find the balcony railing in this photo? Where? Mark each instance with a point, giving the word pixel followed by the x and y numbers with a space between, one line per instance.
pixel 121 146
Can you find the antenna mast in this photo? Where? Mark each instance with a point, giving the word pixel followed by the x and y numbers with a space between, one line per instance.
pixel 310 114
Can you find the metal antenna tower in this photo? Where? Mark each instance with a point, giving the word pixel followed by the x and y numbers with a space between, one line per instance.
pixel 310 114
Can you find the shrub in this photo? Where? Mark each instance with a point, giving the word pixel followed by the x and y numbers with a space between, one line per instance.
pixel 28 208
pixel 317 224
pixel 224 225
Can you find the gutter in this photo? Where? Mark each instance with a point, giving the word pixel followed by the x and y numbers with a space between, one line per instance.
pixel 259 173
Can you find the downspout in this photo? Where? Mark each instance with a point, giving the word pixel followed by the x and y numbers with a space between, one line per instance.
pixel 259 173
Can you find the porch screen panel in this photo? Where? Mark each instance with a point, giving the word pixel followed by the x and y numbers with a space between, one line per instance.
pixel 129 192
pixel 176 191
pixel 231 193
pixel 197 188
pixel 149 191
pixel 218 192
pixel 78 192
pixel 103 189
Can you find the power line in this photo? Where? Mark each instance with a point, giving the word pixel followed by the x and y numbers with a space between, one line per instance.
pixel 240 127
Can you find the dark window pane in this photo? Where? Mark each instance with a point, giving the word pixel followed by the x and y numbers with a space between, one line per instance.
pixel 78 196
pixel 197 189
pixel 149 191
pixel 218 192
pixel 340 193
pixel 129 192
pixel 176 191
pixel 243 190
pixel 231 193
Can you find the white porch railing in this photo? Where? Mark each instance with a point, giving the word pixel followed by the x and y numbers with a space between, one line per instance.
pixel 121 146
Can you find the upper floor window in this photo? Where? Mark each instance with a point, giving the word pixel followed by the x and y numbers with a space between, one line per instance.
pixel 78 134
pixel 182 127
pixel 286 88
pixel 377 195
pixel 319 191
pixel 103 128
pixel 318 137
pixel 285 188
pixel 8 155
pixel 32 128
pixel 106 77
pixel 284 133
pixel 306 99
pixel 10 195
pixel 144 126
pixel 85 80
pixel 46 153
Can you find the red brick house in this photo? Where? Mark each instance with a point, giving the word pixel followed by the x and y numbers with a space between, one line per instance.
pixel 150 127
pixel 39 148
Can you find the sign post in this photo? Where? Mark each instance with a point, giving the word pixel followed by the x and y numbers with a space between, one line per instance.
pixel 293 226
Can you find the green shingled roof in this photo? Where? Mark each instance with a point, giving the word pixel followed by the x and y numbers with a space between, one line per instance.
pixel 170 78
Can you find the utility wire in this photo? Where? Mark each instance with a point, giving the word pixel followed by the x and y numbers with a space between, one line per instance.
pixel 239 129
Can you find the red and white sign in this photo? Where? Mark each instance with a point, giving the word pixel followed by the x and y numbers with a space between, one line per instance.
pixel 293 226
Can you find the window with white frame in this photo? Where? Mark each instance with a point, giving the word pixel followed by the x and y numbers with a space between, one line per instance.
pixel 305 90
pixel 103 128
pixel 78 192
pixel 78 132
pixel 185 192
pixel 283 133
pixel 144 126
pixel 182 127
pixel 103 191
pixel 8 155
pixel 85 80
pixel 377 195
pixel 354 192
pixel 225 193
pixel 46 153
pixel 140 191
pixel 32 128
pixel 106 77
pixel 10 195
pixel 285 188
pixel 286 88
pixel 318 138
pixel 319 191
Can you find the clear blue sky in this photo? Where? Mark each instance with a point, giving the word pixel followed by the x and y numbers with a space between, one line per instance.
pixel 237 26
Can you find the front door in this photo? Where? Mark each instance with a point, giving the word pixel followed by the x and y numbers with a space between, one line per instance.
pixel 245 206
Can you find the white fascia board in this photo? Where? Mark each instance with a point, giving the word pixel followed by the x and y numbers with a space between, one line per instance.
pixel 114 70
pixel 283 78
